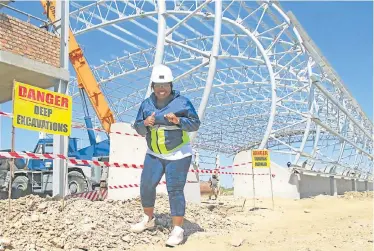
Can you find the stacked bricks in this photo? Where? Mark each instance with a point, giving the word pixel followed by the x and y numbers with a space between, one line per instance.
pixel 30 41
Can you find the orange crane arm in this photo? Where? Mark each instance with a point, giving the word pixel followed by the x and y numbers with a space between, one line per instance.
pixel 85 76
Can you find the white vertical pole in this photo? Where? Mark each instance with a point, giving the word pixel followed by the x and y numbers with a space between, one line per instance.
pixel 60 143
pixel 1 132
pixel 161 33
pixel 212 62
pixel 218 164
pixel 253 188
pixel 271 186
pixel 310 110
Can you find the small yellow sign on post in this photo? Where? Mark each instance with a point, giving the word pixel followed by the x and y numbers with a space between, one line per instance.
pixel 260 158
pixel 41 110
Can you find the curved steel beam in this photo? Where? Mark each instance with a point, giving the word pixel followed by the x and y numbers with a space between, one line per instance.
pixel 309 120
pixel 270 70
pixel 272 81
pixel 150 14
pixel 315 53
pixel 322 113
pixel 160 46
pixel 212 62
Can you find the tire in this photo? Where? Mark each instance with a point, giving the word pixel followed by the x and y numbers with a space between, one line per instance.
pixel 76 183
pixel 20 187
pixel 4 164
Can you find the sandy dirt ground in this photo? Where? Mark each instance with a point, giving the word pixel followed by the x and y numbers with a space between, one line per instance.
pixel 320 223
pixel 314 224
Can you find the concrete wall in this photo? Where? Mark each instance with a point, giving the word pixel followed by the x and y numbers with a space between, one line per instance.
pixel 313 185
pixel 369 186
pixel 361 186
pixel 131 150
pixel 287 184
pixel 344 185
pixel 27 40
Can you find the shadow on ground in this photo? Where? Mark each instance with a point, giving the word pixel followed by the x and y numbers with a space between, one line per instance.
pixel 258 208
pixel 191 228
pixel 165 221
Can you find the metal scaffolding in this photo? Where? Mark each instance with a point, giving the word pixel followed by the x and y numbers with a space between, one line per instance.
pixel 255 76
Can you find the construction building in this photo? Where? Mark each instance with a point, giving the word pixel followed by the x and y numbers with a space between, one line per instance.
pixel 256 78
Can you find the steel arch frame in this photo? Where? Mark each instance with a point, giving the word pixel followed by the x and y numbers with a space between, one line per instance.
pixel 318 116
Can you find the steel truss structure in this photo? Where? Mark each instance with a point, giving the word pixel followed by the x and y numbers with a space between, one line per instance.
pixel 254 75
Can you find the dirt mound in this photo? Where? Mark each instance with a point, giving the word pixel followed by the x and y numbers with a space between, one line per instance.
pixel 359 195
pixel 40 224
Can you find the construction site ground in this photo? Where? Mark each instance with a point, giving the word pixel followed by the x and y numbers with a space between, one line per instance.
pixel 319 223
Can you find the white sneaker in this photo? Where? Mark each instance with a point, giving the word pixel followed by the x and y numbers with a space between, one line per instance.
pixel 144 224
pixel 175 237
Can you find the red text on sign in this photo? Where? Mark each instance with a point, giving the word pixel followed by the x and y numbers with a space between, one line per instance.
pixel 42 97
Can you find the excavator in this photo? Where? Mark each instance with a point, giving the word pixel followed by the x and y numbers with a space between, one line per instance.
pixel 34 176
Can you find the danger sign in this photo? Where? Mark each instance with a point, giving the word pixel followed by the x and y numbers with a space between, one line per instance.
pixel 41 110
pixel 260 159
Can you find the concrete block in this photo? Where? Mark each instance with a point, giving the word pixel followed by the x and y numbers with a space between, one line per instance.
pixel 343 185
pixel 333 187
pixel 285 183
pixel 129 150
pixel 192 190
pixel 360 185
pixel 354 185
pixel 313 185
pixel 370 186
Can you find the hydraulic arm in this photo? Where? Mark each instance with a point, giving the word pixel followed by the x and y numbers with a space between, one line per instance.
pixel 85 76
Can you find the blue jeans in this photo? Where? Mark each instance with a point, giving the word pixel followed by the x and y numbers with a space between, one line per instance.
pixel 175 175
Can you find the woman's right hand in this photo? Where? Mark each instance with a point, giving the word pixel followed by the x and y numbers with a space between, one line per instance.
pixel 150 120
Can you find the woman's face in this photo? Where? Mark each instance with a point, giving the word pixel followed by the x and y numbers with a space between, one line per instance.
pixel 162 90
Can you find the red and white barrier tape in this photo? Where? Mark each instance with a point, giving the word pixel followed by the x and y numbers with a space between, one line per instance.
pixel 96 163
pixel 92 195
pixel 218 172
pixel 232 166
pixel 26 155
pixel 6 114
pixel 138 185
pixel 81 126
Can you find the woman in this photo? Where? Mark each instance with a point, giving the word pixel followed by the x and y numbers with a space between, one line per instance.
pixel 165 118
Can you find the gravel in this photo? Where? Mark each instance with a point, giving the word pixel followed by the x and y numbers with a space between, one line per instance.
pixel 37 223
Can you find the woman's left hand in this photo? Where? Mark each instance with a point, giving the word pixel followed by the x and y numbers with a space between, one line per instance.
pixel 172 118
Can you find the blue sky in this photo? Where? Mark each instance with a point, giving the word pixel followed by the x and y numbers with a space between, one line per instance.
pixel 342 30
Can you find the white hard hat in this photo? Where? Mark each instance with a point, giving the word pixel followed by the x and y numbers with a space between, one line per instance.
pixel 161 74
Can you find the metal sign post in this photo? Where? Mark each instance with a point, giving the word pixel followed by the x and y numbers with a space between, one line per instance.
pixel 11 166
pixel 261 159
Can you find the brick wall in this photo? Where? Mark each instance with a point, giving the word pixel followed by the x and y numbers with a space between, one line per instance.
pixel 28 40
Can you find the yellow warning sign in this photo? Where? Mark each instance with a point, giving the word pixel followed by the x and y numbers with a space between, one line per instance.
pixel 260 158
pixel 41 110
